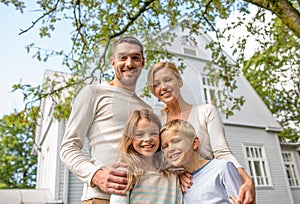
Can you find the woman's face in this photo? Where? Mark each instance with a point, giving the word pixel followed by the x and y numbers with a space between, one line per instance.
pixel 146 139
pixel 166 85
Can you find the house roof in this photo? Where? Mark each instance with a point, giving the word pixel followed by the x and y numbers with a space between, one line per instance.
pixel 26 196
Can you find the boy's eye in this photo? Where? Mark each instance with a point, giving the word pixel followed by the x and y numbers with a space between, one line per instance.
pixel 164 147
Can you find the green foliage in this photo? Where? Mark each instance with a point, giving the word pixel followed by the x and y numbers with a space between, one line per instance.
pixel 274 72
pixel 96 24
pixel 18 165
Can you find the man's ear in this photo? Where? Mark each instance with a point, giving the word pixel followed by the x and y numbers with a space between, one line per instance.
pixel 144 61
pixel 112 61
pixel 196 143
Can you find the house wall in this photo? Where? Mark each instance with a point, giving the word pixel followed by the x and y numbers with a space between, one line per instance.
pixel 48 151
pixel 295 150
pixel 278 192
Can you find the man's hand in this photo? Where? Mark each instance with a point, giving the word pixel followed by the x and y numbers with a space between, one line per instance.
pixel 111 180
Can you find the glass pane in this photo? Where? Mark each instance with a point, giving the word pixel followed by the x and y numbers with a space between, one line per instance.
pixel 257 168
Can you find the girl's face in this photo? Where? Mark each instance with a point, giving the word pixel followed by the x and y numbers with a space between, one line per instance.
pixel 146 139
pixel 166 85
pixel 178 150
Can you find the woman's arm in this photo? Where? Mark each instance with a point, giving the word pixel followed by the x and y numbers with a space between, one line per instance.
pixel 247 190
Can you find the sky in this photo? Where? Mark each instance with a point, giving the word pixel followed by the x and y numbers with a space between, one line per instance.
pixel 16 64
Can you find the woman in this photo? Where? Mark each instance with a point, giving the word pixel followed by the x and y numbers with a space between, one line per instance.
pixel 165 83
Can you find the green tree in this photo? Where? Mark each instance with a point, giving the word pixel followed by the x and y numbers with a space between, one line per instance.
pixel 97 23
pixel 17 164
pixel 274 73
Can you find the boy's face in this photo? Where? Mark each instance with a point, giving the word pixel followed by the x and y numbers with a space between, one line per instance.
pixel 177 149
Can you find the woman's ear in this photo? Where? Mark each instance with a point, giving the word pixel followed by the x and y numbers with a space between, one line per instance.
pixel 196 143
pixel 180 83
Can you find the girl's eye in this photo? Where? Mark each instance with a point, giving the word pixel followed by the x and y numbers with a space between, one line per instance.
pixel 138 135
pixel 154 134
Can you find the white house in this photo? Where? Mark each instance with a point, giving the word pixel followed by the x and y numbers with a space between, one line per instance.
pixel 251 132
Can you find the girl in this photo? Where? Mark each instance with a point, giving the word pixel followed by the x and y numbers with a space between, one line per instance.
pixel 148 179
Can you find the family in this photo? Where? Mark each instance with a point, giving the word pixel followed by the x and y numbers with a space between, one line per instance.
pixel 136 156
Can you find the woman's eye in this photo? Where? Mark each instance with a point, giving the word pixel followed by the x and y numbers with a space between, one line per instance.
pixel 155 84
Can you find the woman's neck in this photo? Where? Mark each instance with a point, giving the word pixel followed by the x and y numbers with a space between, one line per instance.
pixel 178 110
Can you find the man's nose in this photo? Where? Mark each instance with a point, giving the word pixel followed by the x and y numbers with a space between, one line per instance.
pixel 129 62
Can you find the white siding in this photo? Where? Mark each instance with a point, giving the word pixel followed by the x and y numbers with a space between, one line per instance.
pixel 279 192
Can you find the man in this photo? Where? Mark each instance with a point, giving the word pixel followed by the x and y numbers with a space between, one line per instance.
pixel 99 113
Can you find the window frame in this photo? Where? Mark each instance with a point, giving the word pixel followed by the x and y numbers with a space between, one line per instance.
pixel 253 163
pixel 292 171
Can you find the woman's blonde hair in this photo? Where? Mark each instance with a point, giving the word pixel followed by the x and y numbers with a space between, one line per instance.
pixel 129 155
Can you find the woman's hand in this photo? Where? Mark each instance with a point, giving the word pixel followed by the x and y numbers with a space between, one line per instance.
pixel 247 190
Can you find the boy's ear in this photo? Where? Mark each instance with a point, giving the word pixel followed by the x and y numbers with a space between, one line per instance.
pixel 196 143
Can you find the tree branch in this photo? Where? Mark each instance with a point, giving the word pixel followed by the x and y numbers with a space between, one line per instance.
pixel 40 18
pixel 284 10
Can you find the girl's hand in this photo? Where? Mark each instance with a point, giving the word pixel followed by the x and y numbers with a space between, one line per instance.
pixel 185 179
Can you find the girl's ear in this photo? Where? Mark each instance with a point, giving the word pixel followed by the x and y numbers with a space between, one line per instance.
pixel 196 143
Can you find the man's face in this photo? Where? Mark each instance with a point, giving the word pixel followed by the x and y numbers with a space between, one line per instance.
pixel 128 62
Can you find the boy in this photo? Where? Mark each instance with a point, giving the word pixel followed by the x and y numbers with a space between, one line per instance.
pixel 214 181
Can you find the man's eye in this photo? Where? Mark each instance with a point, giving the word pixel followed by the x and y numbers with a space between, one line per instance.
pixel 136 58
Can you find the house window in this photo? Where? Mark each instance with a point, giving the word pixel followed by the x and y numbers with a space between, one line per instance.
pixel 258 166
pixel 291 170
pixel 212 91
pixel 189 44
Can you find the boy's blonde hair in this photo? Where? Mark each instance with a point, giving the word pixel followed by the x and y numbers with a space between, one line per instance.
pixel 179 126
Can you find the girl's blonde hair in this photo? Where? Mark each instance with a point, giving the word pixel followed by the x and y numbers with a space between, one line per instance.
pixel 129 155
